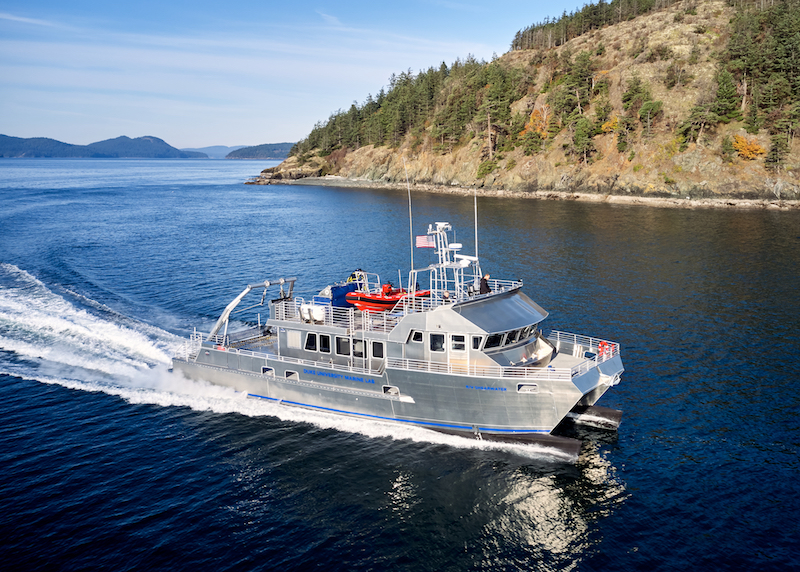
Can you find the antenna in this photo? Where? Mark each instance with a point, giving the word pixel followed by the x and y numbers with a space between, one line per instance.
pixel 410 225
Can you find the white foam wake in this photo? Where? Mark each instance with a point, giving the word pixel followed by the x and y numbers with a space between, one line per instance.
pixel 48 338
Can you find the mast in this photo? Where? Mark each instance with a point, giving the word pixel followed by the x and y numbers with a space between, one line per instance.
pixel 410 225
pixel 475 194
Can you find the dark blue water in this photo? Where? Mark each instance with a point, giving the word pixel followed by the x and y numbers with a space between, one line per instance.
pixel 107 460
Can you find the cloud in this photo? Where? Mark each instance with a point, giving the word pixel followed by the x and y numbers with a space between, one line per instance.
pixel 34 21
pixel 332 20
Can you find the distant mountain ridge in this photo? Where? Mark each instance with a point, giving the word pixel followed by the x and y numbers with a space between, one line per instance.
pixel 121 147
pixel 215 151
pixel 266 151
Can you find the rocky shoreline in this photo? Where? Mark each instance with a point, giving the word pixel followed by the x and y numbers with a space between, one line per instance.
pixel 558 195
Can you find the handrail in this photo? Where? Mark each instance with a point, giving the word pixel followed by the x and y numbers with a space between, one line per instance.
pixel 351 319
pixel 473 370
pixel 604 349
pixel 191 347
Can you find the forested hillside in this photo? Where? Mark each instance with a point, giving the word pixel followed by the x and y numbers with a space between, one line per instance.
pixel 663 94
pixel 265 151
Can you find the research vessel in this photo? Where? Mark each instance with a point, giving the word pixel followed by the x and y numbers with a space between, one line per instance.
pixel 443 356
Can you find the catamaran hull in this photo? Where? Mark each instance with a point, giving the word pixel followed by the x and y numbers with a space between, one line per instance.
pixel 491 409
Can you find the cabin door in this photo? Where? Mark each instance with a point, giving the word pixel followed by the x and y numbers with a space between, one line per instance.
pixel 437 348
pixel 359 353
pixel 459 357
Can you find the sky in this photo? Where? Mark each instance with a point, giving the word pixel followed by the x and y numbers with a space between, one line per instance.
pixel 200 73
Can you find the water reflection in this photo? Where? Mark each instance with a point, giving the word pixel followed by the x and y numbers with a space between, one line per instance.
pixel 551 518
pixel 427 506
pixel 403 496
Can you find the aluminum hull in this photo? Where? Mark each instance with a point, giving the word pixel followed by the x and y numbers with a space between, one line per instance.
pixel 441 401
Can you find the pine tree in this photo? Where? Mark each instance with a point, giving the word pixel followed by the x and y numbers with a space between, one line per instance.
pixel 728 100
pixel 779 149
pixel 752 123
pixel 582 144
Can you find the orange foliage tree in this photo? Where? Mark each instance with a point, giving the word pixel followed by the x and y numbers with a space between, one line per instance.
pixel 747 148
pixel 538 121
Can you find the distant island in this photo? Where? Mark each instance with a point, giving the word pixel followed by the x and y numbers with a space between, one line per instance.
pixel 215 151
pixel 121 147
pixel 138 148
pixel 278 151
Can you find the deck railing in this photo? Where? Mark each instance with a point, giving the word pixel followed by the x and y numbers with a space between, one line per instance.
pixel 579 345
pixel 472 370
pixel 352 319
pixel 604 349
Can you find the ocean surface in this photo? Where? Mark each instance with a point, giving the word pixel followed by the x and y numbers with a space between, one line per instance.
pixel 108 460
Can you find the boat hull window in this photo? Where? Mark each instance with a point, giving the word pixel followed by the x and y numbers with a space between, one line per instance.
pixel 267 370
pixel 291 375
pixel 390 390
pixel 325 343
pixel 527 388
pixel 342 346
pixel 311 342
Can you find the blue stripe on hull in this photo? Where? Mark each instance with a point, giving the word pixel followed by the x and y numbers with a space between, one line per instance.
pixel 396 420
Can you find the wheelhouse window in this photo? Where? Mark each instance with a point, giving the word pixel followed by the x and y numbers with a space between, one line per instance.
pixel 415 336
pixel 358 348
pixel 494 341
pixel 311 342
pixel 476 342
pixel 342 346
pixel 437 342
pixel 325 343
pixel 512 337
pixel 458 343
pixel 377 349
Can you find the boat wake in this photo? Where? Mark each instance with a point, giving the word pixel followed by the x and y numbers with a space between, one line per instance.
pixel 75 342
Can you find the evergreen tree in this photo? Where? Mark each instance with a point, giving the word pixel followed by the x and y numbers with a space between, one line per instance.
pixel 649 112
pixel 701 117
pixel 635 95
pixel 779 149
pixel 582 143
pixel 727 150
pixel 728 100
pixel 752 122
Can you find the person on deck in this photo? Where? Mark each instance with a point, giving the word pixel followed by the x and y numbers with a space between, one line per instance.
pixel 485 284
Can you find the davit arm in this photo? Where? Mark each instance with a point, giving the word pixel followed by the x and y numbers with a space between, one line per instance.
pixel 223 319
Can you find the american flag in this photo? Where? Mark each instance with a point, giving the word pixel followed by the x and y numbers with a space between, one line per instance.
pixel 426 242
